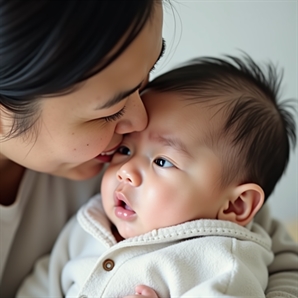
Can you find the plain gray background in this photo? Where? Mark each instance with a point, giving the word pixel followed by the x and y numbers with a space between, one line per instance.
pixel 266 30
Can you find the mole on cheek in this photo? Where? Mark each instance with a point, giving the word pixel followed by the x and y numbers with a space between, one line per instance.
pixel 87 144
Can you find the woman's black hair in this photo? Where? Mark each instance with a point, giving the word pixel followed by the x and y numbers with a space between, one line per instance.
pixel 47 46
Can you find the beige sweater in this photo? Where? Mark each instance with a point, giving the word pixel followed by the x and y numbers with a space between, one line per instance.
pixel 28 230
pixel 200 258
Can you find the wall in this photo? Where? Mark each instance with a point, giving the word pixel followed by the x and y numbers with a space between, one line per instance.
pixel 266 30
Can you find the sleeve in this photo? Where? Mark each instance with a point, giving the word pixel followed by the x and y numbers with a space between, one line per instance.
pixel 36 284
pixel 45 280
pixel 283 271
pixel 241 272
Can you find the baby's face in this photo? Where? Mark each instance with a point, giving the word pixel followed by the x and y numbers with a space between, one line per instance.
pixel 166 174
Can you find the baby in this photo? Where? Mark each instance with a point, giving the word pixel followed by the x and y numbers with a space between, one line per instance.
pixel 175 214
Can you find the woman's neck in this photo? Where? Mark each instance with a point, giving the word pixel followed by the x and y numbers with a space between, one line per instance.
pixel 10 178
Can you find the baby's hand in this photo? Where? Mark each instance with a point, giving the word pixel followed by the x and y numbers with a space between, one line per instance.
pixel 143 291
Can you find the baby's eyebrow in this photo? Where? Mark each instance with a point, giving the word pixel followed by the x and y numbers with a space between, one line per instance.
pixel 170 141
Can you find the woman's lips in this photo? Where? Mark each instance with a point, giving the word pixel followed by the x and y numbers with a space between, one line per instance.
pixel 122 208
pixel 106 156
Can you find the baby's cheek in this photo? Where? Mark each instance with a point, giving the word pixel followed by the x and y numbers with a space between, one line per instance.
pixel 109 181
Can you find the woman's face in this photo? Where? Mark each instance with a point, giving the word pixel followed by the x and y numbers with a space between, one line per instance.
pixel 76 132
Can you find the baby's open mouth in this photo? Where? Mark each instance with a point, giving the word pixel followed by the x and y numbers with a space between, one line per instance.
pixel 124 205
pixel 122 208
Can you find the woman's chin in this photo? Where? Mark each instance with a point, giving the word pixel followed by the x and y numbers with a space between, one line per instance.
pixel 84 171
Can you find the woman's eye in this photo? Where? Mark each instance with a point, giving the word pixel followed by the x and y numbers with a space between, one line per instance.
pixel 115 116
pixel 123 150
pixel 161 162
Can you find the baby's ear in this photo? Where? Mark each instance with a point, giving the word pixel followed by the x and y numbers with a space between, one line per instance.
pixel 244 202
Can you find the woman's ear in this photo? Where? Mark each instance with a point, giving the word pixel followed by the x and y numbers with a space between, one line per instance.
pixel 244 202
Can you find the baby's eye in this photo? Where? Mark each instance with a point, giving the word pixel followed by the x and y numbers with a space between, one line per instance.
pixel 161 162
pixel 123 150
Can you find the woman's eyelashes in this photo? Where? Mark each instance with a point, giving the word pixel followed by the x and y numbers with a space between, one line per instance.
pixel 115 116
pixel 160 56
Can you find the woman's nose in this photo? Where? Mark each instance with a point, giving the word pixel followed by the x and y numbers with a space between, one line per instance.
pixel 135 117
pixel 129 174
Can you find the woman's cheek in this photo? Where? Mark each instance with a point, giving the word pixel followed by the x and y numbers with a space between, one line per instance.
pixel 80 148
pixel 93 134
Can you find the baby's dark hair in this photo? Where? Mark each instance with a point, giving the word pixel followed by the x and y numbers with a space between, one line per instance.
pixel 258 130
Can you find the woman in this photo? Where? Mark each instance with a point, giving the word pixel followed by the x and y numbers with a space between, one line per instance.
pixel 70 73
pixel 70 81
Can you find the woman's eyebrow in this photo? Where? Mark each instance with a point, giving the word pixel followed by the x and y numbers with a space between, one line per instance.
pixel 118 97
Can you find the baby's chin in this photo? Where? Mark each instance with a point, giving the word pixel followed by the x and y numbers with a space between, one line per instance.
pixel 131 234
pixel 124 234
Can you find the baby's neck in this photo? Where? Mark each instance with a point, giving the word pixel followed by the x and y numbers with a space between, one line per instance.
pixel 116 234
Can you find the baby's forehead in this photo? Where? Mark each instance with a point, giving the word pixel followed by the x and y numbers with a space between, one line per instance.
pixel 187 109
